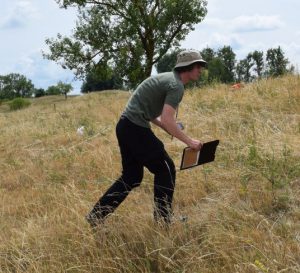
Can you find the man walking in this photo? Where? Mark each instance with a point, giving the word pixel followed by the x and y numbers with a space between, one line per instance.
pixel 155 100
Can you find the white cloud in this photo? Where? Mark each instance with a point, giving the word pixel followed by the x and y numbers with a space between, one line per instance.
pixel 256 23
pixel 243 33
pixel 292 51
pixel 212 22
pixel 42 72
pixel 217 40
pixel 245 23
pixel 19 16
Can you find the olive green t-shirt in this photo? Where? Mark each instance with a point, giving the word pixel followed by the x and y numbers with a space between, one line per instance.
pixel 148 99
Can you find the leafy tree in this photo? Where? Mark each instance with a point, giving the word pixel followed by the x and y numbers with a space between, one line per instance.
pixel 64 88
pixel 240 70
pixel 227 57
pixel 276 62
pixel 216 70
pixel 129 35
pixel 92 83
pixel 100 78
pixel 5 92
pixel 59 89
pixel 220 65
pixel 15 85
pixel 53 90
pixel 208 54
pixel 258 59
pixel 168 61
pixel 40 92
pixel 243 69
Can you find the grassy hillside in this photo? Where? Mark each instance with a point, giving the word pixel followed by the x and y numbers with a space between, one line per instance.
pixel 243 209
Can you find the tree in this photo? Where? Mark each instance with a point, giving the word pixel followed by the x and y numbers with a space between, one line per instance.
pixel 258 58
pixel 40 92
pixel 59 89
pixel 94 83
pixel 208 54
pixel 53 90
pixel 227 56
pixel 168 61
pixel 129 35
pixel 5 92
pixel 276 62
pixel 220 65
pixel 64 88
pixel 240 70
pixel 243 69
pixel 100 78
pixel 216 70
pixel 15 85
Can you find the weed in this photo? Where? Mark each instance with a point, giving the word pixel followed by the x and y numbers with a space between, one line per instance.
pixel 18 103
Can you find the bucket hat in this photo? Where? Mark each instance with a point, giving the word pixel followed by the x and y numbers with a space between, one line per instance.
pixel 188 57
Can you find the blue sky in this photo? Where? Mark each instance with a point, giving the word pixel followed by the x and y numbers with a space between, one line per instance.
pixel 244 25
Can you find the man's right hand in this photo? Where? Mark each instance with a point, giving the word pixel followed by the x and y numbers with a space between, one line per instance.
pixel 168 123
pixel 195 144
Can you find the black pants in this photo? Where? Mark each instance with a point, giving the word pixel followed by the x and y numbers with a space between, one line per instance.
pixel 140 148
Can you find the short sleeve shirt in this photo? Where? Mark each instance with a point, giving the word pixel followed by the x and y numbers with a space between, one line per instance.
pixel 148 99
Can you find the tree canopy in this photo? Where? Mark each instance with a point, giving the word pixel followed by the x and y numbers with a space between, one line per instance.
pixel 128 35
pixel 167 62
pixel 59 89
pixel 15 85
pixel 222 65
pixel 100 79
pixel 64 88
pixel 276 62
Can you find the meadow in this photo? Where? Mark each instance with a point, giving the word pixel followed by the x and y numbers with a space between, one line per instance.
pixel 243 209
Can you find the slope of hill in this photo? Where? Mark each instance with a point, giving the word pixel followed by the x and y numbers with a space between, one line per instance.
pixel 243 209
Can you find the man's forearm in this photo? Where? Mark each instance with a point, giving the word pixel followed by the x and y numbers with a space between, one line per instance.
pixel 167 121
pixel 170 126
pixel 158 123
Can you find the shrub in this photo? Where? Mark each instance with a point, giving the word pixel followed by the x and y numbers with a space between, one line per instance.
pixel 18 103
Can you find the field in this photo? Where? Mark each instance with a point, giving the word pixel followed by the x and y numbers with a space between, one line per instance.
pixel 243 209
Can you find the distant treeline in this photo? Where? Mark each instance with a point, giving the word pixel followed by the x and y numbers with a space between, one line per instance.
pixel 223 67
pixel 16 85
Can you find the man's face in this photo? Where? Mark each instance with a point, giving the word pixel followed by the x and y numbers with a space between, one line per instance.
pixel 195 73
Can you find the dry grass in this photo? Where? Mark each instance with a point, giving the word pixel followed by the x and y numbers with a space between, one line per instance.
pixel 243 209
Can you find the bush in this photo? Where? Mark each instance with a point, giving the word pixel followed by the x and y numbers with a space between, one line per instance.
pixel 18 103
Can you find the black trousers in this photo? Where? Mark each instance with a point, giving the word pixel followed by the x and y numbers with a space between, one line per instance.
pixel 140 148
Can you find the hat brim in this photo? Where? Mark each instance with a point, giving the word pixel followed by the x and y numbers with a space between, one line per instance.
pixel 201 61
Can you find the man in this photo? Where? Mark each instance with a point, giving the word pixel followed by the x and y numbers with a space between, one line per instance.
pixel 155 100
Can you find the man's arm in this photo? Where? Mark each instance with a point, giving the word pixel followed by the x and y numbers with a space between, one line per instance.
pixel 168 123
pixel 158 123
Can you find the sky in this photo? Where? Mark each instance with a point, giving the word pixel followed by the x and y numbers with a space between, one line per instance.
pixel 244 25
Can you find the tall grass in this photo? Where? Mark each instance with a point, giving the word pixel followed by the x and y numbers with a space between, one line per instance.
pixel 243 209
